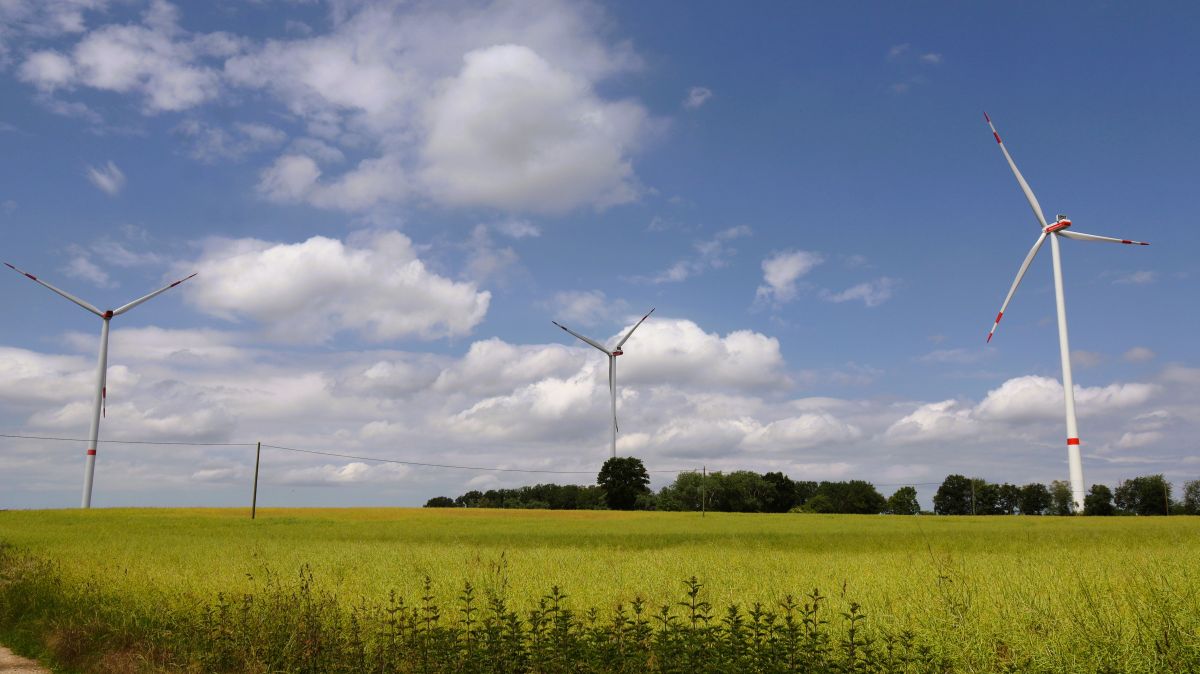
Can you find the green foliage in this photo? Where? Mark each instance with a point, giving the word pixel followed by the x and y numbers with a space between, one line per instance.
pixel 1034 499
pixel 538 496
pixel 855 497
pixel 441 502
pixel 954 496
pixel 1061 500
pixel 904 502
pixel 1099 501
pixel 1145 495
pixel 295 626
pixel 1191 497
pixel 623 479
pixel 131 587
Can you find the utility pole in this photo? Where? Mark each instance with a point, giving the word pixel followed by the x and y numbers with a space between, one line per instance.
pixel 703 479
pixel 972 496
pixel 254 498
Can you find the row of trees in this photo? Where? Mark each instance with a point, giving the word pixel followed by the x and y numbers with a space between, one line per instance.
pixel 1145 495
pixel 624 484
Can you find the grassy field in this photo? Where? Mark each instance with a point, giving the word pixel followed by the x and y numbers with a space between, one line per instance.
pixel 1055 594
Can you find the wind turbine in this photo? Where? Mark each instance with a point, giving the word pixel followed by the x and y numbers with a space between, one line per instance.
pixel 101 367
pixel 1053 231
pixel 612 368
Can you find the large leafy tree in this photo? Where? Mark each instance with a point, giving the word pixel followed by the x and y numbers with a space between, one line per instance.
pixel 1099 501
pixel 1145 495
pixel 1034 499
pixel 1191 497
pixel 1061 500
pixel 954 496
pixel 782 493
pixel 854 497
pixel 623 479
pixel 904 502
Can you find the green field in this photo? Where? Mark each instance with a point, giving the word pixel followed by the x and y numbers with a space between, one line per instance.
pixel 1046 593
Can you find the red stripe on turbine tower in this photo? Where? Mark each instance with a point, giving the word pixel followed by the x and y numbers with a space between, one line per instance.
pixel 91 452
pixel 1072 441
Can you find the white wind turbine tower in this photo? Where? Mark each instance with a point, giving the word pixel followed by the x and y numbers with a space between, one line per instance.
pixel 612 368
pixel 1058 228
pixel 101 367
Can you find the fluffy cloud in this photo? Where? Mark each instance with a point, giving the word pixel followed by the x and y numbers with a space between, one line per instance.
pixel 872 293
pixel 489 106
pixel 108 178
pixel 1138 354
pixel 1032 397
pixel 493 105
pixel 373 284
pixel 782 270
pixel 494 366
pixel 212 143
pixel 697 96
pixel 154 59
pixel 712 253
pixel 513 131
pixel 1016 402
pixel 585 307
pixel 679 351
pixel 526 406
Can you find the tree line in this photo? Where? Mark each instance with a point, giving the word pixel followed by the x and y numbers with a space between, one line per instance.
pixel 624 484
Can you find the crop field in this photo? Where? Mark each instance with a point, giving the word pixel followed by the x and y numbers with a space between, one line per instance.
pixel 974 594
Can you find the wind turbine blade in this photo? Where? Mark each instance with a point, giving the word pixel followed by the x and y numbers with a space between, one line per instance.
pixel 1093 237
pixel 635 327
pixel 1020 274
pixel 64 293
pixel 589 341
pixel 156 293
pixel 1033 202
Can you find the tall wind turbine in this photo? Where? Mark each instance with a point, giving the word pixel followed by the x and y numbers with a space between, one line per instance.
pixel 101 367
pixel 612 368
pixel 1053 231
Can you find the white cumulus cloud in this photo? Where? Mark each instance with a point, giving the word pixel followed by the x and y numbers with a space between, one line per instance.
pixel 373 284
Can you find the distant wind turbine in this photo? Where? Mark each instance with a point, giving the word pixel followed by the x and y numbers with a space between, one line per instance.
pixel 1059 228
pixel 101 367
pixel 612 368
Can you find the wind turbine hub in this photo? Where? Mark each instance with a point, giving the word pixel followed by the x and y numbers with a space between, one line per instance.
pixel 108 314
pixel 618 352
pixel 1061 223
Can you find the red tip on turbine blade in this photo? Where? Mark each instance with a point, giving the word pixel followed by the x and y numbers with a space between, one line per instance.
pixel 1144 243
pixel 9 266
pixel 985 116
pixel 28 275
pixel 989 339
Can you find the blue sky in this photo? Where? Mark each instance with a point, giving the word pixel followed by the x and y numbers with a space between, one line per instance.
pixel 387 203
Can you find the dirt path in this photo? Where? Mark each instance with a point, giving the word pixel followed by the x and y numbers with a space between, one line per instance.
pixel 15 664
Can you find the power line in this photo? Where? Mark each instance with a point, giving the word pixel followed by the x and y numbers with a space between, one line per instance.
pixel 327 453
pixel 132 442
pixel 443 465
pixel 377 459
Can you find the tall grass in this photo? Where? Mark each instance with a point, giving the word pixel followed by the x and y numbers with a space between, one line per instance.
pixel 294 626
pixel 949 594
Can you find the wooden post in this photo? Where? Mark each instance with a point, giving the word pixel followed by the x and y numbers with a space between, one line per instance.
pixel 254 498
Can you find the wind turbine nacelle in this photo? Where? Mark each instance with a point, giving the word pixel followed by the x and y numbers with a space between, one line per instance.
pixel 1061 223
